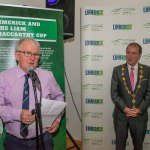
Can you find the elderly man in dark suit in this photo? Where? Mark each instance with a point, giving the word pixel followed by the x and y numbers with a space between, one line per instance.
pixel 130 92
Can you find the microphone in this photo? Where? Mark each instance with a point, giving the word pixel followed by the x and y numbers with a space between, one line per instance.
pixel 33 74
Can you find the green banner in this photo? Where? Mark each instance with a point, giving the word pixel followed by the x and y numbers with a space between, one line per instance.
pixel 19 27
pixel 46 26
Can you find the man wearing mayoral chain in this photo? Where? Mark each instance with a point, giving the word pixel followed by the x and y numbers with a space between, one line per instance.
pixel 130 92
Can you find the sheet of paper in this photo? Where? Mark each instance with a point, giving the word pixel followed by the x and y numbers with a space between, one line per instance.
pixel 50 110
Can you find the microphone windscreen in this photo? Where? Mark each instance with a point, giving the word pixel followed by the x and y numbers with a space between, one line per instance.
pixel 33 75
pixel 30 69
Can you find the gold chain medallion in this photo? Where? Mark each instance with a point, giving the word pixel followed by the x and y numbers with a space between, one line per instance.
pixel 132 93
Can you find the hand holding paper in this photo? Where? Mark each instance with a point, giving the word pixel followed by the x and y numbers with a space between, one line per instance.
pixel 50 110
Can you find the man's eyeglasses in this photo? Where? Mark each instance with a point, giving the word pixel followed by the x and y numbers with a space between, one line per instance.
pixel 29 54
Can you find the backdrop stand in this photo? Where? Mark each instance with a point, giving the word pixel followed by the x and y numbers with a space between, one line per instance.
pixel 73 141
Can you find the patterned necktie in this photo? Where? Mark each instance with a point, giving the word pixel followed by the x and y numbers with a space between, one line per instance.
pixel 132 78
pixel 25 105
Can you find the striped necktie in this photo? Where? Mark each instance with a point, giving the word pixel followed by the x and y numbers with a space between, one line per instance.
pixel 25 105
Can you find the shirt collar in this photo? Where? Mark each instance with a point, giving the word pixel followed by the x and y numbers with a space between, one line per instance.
pixel 135 67
pixel 20 72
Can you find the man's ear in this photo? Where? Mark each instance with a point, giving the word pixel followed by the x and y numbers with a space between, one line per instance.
pixel 17 56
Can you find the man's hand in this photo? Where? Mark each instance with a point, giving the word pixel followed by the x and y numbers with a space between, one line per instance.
pixel 27 117
pixel 54 127
pixel 134 112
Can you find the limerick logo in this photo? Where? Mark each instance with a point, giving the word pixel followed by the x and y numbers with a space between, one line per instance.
pixel 146 9
pixel 114 142
pixel 93 101
pixel 124 11
pixel 94 129
pixel 94 72
pixel 93 43
pixel 146 41
pixel 119 57
pixel 94 12
pixel 122 26
pixel 147 131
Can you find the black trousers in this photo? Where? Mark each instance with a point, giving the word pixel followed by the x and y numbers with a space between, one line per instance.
pixel 14 143
pixel 137 128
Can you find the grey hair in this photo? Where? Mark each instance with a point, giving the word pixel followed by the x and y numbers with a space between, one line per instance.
pixel 18 44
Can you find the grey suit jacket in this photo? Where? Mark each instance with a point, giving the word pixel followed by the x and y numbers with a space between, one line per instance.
pixel 120 96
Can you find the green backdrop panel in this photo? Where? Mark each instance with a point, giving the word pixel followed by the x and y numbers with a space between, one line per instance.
pixel 46 26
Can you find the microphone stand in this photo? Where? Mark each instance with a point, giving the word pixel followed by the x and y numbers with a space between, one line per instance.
pixel 38 116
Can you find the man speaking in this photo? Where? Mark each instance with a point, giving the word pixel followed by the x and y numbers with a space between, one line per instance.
pixel 17 99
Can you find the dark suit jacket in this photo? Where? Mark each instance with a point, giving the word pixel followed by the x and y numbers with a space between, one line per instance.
pixel 122 99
